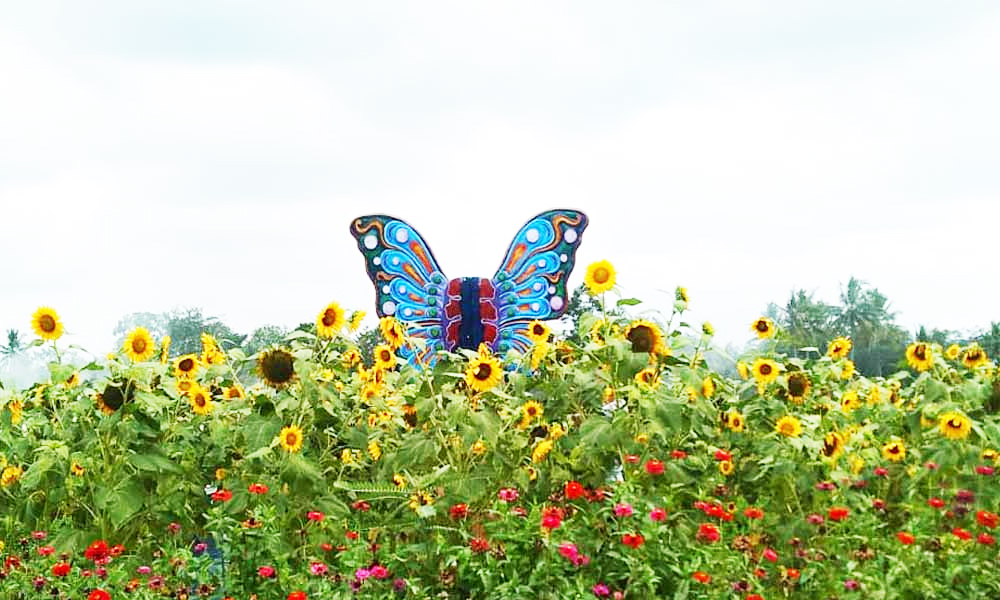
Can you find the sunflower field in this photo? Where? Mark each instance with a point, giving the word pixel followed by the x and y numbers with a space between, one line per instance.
pixel 618 465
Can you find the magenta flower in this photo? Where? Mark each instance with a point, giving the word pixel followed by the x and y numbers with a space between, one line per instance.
pixel 600 590
pixel 144 570
pixel 984 470
pixel 658 514
pixel 623 509
pixel 508 494
pixel 379 572
pixel 568 550
pixel 815 519
pixel 318 569
pixel 362 574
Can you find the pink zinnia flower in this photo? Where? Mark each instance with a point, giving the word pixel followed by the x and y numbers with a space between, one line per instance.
pixel 623 509
pixel 815 519
pixel 379 572
pixel 266 571
pixel 568 550
pixel 508 494
pixel 600 590
pixel 658 514
pixel 319 569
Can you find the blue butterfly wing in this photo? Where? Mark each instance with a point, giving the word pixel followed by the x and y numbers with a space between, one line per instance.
pixel 532 281
pixel 409 285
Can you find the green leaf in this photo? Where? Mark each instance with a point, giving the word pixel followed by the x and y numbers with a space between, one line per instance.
pixel 152 404
pixel 629 302
pixel 154 462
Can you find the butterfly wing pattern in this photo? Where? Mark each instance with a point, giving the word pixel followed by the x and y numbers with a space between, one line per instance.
pixel 464 312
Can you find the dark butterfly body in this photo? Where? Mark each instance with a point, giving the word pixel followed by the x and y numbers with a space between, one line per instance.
pixel 448 314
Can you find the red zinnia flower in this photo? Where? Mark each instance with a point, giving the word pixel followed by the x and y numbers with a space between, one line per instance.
pixel 961 534
pixel 678 454
pixel 792 573
pixel 352 535
pixel 459 511
pixel 633 540
pixel 936 502
pixel 266 571
pixel 708 533
pixel 770 555
pixel 632 459
pixel 987 519
pixel 60 569
pixel 222 496
pixel 838 513
pixel 99 595
pixel 258 488
pixel 721 454
pixel 658 514
pixel 986 539
pixel 479 545
pixel 297 596
pixel 46 550
pixel 654 467
pixel 552 517
pixel 574 490
pixel 361 505
pixel 752 512
pixel 315 515
pixel 754 597
pixel 905 538
pixel 97 551
pixel 702 577
pixel 984 470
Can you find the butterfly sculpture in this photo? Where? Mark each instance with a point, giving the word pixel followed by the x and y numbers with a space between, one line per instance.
pixel 467 311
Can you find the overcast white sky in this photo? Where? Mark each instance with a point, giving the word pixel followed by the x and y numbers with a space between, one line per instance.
pixel 156 155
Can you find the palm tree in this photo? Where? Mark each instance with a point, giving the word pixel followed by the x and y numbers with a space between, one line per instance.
pixel 14 344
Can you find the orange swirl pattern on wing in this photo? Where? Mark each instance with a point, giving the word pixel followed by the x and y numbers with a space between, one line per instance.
pixel 418 251
pixel 413 273
pixel 515 256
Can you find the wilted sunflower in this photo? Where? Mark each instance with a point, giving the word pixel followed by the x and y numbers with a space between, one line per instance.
pixel 186 366
pixel 894 450
pixel 839 348
pixel 165 349
pixel 290 438
pixel 765 371
pixel 10 476
pixel 954 426
pixel 330 320
pixel 276 367
pixel 798 387
pixel 139 345
pixel 833 445
pixel 77 469
pixel 788 426
pixel 393 332
pixel 356 318
pixel 538 332
pixel 645 337
pixel 201 401
pixel 114 397
pixel 16 407
pixel 385 358
pixel 920 356
pixel 46 324
pixel 73 380
pixel 974 356
pixel 484 371
pixel 952 352
pixel 648 378
pixel 764 328
pixel 600 277
pixel 681 294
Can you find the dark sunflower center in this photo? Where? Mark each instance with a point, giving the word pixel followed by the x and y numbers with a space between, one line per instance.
pixel 920 352
pixel 894 449
pixel 601 275
pixel 765 369
pixel 954 423
pixel 762 326
pixel 531 411
pixel 483 371
pixel 797 385
pixel 385 356
pixel 641 338
pixel 538 329
pixel 138 345
pixel 200 400
pixel 329 317
pixel 973 356
pixel 291 439
pixel 278 368
pixel 186 365
pixel 47 323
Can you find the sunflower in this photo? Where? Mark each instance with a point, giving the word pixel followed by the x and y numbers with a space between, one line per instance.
pixel 399 481
pixel 114 397
pixel 833 445
pixel 374 450
pixel 420 499
pixel 484 371
pixel 186 366
pixel 600 277
pixel 648 378
pixel 708 387
pixel 850 401
pixel 735 422
pixel 393 332
pixel 954 426
pixel 276 367
pixel 530 411
pixel 726 467
pixel 355 322
pixel 974 356
pixel 541 450
pixel 46 324
pixel 165 349
pixel 952 352
pixel 764 328
pixel 848 369
pixel 220 474
pixel 765 371
pixel 330 320
pixel 990 454
pixel 894 450
pixel 788 426
pixel 385 358
pixel 201 400
pixel 742 369
pixel 211 353
pixel 538 332
pixel 920 356
pixel 707 328
pixel 139 345
pixel 538 353
pixel 645 337
pixel 839 348
pixel 874 396
pixel 10 476
pixel 77 469
pixel 184 386
pixel 16 407
pixel 73 380
pixel 234 392
pixel 290 438
pixel 798 387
